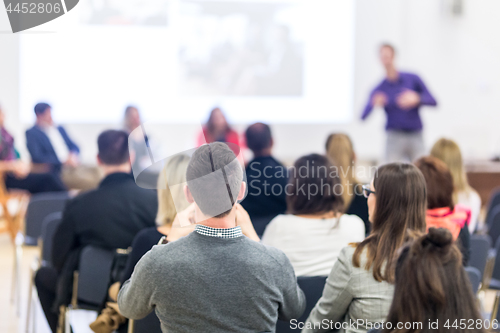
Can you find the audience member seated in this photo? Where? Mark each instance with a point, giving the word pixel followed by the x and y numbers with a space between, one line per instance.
pixel 432 287
pixel 340 150
pixel 441 210
pixel 16 173
pixel 315 231
pixel 53 151
pixel 266 178
pixel 109 217
pixel 215 279
pixel 217 129
pixel 463 194
pixel 359 286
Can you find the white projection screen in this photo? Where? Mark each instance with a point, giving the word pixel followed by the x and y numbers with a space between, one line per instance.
pixel 273 61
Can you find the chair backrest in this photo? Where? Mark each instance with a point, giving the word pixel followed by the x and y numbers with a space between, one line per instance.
pixel 260 223
pixel 49 226
pixel 149 324
pixel 41 205
pixel 94 276
pixel 480 246
pixel 313 289
pixel 494 201
pixel 493 224
pixel 474 278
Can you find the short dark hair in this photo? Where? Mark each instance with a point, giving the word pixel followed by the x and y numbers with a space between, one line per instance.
pixel 40 108
pixel 439 182
pixel 113 147
pixel 258 137
pixel 320 174
pixel 214 192
pixel 389 46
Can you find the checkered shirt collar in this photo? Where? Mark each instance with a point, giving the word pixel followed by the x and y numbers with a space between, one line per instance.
pixel 234 232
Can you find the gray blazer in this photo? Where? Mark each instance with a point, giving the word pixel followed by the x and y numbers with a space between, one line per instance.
pixel 350 294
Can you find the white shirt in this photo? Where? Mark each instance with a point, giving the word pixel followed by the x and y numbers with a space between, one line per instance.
pixel 57 142
pixel 313 245
pixel 471 200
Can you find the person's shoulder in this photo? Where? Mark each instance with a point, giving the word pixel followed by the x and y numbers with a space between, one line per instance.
pixel 409 75
pixel 266 252
pixel 32 130
pixel 351 220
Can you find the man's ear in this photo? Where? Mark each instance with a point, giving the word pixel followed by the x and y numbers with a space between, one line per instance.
pixel 187 193
pixel 99 161
pixel 241 194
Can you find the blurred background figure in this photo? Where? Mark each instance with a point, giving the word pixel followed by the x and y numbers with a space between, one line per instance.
pixel 441 209
pixel 401 95
pixel 266 178
pixel 449 152
pixel 217 129
pixel 16 173
pixel 340 150
pixel 138 141
pixel 53 151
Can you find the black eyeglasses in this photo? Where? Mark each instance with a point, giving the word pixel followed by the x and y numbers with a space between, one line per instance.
pixel 367 191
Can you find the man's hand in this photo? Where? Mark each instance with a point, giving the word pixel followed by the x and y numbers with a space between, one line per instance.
pixel 20 169
pixel 243 220
pixel 408 99
pixel 379 99
pixel 72 160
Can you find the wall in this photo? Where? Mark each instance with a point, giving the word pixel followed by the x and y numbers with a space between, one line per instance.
pixel 458 58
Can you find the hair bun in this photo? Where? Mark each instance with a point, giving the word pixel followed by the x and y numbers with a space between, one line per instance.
pixel 439 237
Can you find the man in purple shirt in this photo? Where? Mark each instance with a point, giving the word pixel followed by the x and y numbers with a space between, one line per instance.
pixel 401 95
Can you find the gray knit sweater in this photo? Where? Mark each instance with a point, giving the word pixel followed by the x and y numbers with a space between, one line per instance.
pixel 206 284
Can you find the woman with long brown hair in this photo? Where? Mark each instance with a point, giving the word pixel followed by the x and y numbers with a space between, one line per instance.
pixel 432 289
pixel 217 129
pixel 340 150
pixel 359 286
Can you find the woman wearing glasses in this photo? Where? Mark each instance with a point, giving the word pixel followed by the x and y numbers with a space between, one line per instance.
pixel 359 288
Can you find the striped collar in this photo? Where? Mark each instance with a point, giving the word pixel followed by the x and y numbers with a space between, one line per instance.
pixel 234 232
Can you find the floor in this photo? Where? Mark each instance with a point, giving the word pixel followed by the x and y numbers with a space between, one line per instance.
pixel 10 322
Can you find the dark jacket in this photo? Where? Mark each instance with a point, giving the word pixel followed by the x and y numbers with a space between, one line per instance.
pixel 109 217
pixel 41 149
pixel 266 198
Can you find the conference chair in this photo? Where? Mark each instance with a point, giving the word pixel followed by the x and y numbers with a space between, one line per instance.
pixel 49 227
pixel 494 201
pixel 495 276
pixel 482 257
pixel 474 278
pixel 493 224
pixel 149 324
pixel 13 205
pixel 313 289
pixel 494 324
pixel 41 205
pixel 90 282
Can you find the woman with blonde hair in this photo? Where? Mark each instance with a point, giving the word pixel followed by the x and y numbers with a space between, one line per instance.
pixel 448 151
pixel 340 150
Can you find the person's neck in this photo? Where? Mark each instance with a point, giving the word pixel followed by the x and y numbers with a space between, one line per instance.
pixel 263 153
pixel 226 222
pixel 392 73
pixel 43 124
pixel 110 169
pixel 327 215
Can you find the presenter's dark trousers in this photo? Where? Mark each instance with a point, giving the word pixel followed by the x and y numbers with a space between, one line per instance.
pixel 46 285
